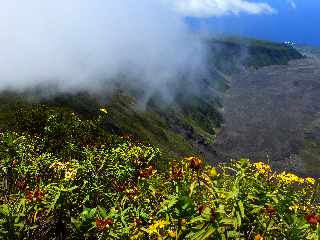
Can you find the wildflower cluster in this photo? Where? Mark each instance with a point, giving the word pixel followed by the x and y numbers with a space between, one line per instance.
pixel 103 224
pixel 69 178
pixel 69 170
pixel 313 219
pixel 310 180
pixel 289 178
pixel 262 168
pixel 156 227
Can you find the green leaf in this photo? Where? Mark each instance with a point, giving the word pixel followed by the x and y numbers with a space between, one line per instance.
pixel 240 204
pixel 256 209
pixel 270 226
pixel 4 209
pixel 228 221
pixel 168 203
pixel 92 213
pixel 232 234
pixel 102 212
pixel 238 219
pixel 203 234
pixel 72 188
pixel 54 202
pixel 197 219
pixel 208 233
pixel 19 225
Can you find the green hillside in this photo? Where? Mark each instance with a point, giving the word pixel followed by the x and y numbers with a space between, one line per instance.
pixel 231 54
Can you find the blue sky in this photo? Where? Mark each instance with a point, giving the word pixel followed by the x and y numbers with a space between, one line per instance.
pixel 299 24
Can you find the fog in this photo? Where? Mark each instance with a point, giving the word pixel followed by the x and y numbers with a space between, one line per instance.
pixel 87 45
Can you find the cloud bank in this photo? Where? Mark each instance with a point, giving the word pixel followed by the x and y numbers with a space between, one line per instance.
pixel 82 44
pixel 209 8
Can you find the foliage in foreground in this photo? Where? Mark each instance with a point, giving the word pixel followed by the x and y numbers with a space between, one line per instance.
pixel 66 178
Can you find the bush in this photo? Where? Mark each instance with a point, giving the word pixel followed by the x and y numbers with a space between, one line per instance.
pixel 66 178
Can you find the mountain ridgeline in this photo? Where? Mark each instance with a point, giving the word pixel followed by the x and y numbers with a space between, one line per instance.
pixel 233 54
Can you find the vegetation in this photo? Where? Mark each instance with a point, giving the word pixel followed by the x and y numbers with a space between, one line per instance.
pixel 231 54
pixel 68 178
pixel 176 128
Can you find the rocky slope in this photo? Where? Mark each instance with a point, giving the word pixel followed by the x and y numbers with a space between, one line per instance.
pixel 273 113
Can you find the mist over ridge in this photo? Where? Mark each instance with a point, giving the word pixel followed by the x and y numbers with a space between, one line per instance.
pixel 82 45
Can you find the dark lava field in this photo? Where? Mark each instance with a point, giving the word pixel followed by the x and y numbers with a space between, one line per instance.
pixel 273 113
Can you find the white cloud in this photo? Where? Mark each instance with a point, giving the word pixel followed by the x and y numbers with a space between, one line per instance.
pixel 292 3
pixel 81 44
pixel 209 8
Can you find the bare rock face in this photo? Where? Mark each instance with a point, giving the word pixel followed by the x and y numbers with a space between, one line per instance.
pixel 271 112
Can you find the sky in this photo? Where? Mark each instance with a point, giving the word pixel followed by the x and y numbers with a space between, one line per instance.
pixel 289 20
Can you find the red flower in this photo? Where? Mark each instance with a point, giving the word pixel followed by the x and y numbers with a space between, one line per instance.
pixel 132 192
pixel 14 163
pixel 146 172
pixel 201 208
pixel 29 196
pixel 103 224
pixel 213 216
pixel 119 187
pixel 37 179
pixel 21 184
pixel 176 172
pixel 36 195
pixel 312 219
pixel 196 163
pixel 137 222
pixel 270 210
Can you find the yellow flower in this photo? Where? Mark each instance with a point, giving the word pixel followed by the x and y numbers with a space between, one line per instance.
pixel 258 237
pixel 161 223
pixel 172 233
pixel 288 178
pixel 183 221
pixel 294 207
pixel 70 174
pixel 152 229
pixel 58 165
pixel 262 168
pixel 310 180
pixel 212 171
pixel 104 110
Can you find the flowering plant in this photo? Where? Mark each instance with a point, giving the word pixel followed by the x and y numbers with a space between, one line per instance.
pixel 69 178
